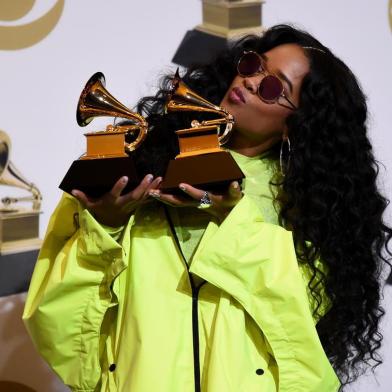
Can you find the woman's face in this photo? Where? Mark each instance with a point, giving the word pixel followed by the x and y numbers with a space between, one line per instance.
pixel 257 122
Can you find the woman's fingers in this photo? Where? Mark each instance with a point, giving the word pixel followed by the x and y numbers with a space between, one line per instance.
pixel 118 187
pixel 180 201
pixel 114 193
pixel 140 191
pixel 113 209
pixel 235 192
pixel 153 185
pixel 170 199
pixel 81 197
pixel 218 205
pixel 149 187
pixel 193 192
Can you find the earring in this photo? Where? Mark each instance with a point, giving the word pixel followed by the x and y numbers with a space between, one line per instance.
pixel 283 167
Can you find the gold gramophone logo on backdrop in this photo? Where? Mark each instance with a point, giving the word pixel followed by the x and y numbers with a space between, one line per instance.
pixel 21 36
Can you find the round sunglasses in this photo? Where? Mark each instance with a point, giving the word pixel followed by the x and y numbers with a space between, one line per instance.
pixel 270 88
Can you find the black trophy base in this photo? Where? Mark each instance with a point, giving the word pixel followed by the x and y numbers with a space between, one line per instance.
pixel 198 47
pixel 210 172
pixel 95 177
pixel 16 269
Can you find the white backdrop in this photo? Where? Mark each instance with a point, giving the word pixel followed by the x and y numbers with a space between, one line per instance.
pixel 132 43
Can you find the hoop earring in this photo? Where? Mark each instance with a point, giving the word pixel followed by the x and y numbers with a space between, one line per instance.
pixel 283 167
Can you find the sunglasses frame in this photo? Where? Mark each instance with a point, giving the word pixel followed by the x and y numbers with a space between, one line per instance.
pixel 262 70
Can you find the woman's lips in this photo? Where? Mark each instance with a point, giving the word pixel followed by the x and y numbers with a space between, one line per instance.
pixel 236 95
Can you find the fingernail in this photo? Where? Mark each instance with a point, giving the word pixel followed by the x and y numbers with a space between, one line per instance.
pixel 124 179
pixel 182 187
pixel 74 193
pixel 159 180
pixel 236 185
pixel 150 177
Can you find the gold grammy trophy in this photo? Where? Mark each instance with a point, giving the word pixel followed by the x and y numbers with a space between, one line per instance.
pixel 19 227
pixel 202 162
pixel 109 153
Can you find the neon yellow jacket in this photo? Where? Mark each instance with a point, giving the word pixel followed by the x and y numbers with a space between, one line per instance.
pixel 124 315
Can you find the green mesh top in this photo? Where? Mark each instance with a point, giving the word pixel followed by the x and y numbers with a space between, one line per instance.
pixel 258 172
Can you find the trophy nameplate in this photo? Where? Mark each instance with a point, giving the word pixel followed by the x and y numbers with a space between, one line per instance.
pixel 108 155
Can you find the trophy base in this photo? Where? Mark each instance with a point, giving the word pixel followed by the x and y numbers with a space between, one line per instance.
pixel 19 231
pixel 198 47
pixel 95 177
pixel 212 172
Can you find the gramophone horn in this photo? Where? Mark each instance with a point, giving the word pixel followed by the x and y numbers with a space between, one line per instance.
pixel 96 101
pixel 9 175
pixel 182 98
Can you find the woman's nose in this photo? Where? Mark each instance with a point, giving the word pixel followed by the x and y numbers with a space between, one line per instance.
pixel 251 83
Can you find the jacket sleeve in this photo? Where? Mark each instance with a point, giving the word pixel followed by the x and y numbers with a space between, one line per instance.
pixel 255 262
pixel 70 293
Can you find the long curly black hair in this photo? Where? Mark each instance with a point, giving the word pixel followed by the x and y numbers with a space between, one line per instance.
pixel 328 196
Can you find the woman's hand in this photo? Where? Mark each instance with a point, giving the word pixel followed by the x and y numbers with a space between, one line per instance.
pixel 221 204
pixel 113 209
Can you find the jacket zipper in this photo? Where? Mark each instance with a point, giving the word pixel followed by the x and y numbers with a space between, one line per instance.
pixel 195 309
pixel 195 332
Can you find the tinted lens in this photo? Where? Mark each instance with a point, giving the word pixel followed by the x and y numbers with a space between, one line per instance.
pixel 270 88
pixel 249 64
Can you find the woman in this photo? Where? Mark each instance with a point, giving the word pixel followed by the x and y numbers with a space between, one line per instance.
pixel 274 286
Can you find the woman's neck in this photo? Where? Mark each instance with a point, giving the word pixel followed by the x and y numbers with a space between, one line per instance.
pixel 250 148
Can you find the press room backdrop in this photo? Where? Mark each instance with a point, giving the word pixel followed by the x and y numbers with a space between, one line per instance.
pixel 48 50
